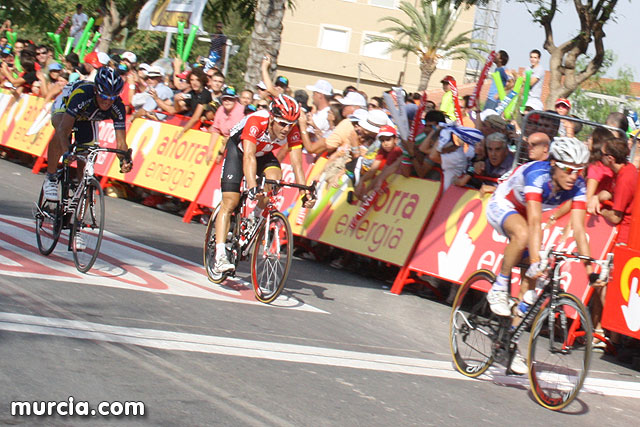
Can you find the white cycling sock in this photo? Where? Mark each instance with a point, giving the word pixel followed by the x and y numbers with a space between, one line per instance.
pixel 220 250
pixel 501 283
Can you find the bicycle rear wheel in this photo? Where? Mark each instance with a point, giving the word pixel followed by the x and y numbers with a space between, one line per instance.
pixel 88 226
pixel 271 257
pixel 559 351
pixel 209 249
pixel 472 326
pixel 48 217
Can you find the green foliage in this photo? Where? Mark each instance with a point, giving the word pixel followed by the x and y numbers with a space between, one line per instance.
pixel 595 109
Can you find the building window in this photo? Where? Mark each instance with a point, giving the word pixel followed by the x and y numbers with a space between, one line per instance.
pixel 334 38
pixel 391 4
pixel 374 49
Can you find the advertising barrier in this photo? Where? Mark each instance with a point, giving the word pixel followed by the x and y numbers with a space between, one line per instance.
pixel 386 232
pixel 622 306
pixel 163 163
pixel 458 240
pixel 25 123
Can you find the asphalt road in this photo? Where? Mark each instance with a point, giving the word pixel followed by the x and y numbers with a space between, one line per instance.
pixel 145 325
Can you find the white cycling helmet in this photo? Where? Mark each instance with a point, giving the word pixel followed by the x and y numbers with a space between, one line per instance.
pixel 570 150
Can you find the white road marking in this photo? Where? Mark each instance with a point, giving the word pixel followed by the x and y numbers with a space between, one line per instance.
pixel 181 341
pixel 122 263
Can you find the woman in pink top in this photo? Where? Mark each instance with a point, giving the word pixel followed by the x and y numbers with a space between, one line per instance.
pixel 599 177
pixel 226 118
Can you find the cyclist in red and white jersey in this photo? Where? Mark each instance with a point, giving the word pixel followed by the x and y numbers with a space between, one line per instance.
pixel 249 154
pixel 515 211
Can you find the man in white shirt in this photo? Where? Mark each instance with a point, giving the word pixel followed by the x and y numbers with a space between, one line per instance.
pixel 322 92
pixel 537 76
pixel 78 21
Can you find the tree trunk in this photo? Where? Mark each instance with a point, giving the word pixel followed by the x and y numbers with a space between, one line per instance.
pixel 113 22
pixel 265 38
pixel 565 76
pixel 427 67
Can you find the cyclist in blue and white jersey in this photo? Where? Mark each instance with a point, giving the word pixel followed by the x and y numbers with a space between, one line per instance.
pixel 515 211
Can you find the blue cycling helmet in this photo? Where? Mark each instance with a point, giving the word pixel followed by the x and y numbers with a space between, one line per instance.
pixel 108 83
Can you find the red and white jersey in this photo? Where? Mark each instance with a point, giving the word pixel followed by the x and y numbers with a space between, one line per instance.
pixel 255 128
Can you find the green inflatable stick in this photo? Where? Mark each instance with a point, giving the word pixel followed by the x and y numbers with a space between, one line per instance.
pixel 96 36
pixel 67 47
pixel 12 36
pixel 16 64
pixel 499 85
pixel 187 46
pixel 527 88
pixel 508 112
pixel 55 38
pixel 180 39
pixel 82 42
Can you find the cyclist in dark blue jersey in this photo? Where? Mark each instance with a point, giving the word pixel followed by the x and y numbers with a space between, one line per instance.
pixel 78 109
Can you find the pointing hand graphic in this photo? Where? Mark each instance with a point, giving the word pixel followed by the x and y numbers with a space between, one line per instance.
pixel 452 264
pixel 631 311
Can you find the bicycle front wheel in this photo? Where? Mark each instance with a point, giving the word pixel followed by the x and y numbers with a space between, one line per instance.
pixel 88 226
pixel 473 327
pixel 48 217
pixel 559 351
pixel 271 257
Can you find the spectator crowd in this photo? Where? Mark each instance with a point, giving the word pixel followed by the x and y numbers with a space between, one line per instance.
pixel 359 133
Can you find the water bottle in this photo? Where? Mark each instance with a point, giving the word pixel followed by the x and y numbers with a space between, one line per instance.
pixel 527 300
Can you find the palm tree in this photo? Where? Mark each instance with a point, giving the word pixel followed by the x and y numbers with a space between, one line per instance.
pixel 427 35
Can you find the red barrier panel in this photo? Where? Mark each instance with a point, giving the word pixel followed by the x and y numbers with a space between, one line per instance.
pixel 458 240
pixel 622 306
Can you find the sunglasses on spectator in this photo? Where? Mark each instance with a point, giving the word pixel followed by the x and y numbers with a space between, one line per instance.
pixel 107 97
pixel 283 123
pixel 42 52
pixel 573 170
pixel 262 106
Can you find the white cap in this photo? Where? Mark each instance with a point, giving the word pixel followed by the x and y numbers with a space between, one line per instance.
pixel 359 114
pixel 144 66
pixel 486 113
pixel 354 98
pixel 155 71
pixel 261 85
pixel 535 103
pixel 321 86
pixel 374 121
pixel 103 58
pixel 130 56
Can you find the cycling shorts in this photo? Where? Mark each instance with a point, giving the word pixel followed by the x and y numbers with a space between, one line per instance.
pixel 232 171
pixel 85 132
pixel 498 210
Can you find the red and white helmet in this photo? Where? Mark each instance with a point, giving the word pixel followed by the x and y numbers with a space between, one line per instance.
pixel 285 107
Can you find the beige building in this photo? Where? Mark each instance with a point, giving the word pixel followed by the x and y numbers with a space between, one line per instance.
pixel 326 39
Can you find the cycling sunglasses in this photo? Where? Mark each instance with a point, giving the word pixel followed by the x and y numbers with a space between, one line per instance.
pixel 283 122
pixel 573 170
pixel 107 97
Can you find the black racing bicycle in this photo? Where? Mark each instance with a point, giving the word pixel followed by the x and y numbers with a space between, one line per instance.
pixel 269 241
pixel 558 324
pixel 80 208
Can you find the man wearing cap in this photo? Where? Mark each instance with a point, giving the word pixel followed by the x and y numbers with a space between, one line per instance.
pixel 225 119
pixel 387 160
pixel 447 105
pixel 351 102
pixel 563 106
pixel 157 95
pixel 322 91
pixel 91 66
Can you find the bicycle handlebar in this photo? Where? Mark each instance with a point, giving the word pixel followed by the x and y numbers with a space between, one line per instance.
pixel 281 183
pixel 605 264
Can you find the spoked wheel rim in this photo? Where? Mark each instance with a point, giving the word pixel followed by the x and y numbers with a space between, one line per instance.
pixel 560 358
pixel 472 326
pixel 48 224
pixel 209 247
pixel 271 258
pixel 88 227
